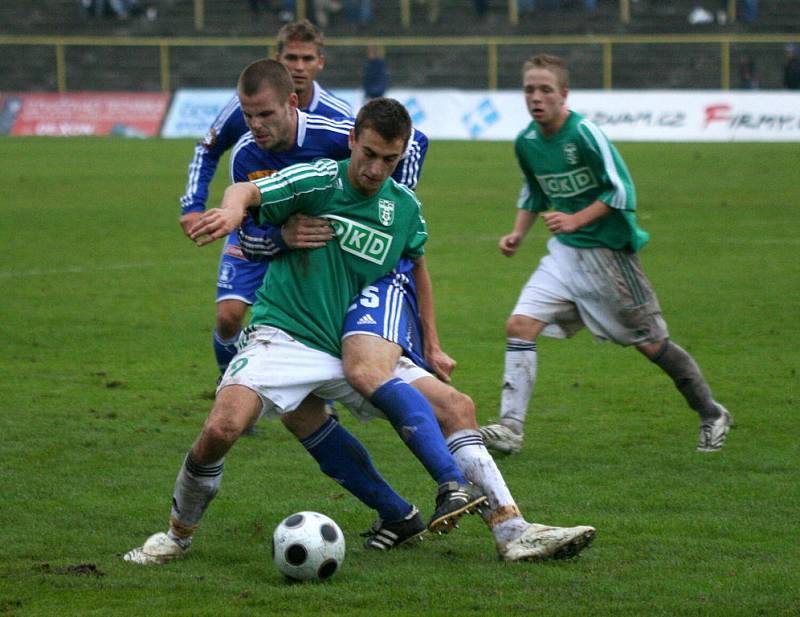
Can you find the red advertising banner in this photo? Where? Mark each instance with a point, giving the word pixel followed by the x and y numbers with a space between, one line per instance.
pixel 88 113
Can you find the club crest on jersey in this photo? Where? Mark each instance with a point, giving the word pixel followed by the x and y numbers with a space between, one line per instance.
pixel 361 240
pixel 386 212
pixel 571 153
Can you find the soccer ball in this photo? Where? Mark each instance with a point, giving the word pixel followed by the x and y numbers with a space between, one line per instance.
pixel 308 546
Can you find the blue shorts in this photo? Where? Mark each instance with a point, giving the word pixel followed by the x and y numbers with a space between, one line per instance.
pixel 388 308
pixel 238 278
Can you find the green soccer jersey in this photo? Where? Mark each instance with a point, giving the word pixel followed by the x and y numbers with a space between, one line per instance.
pixel 306 293
pixel 572 169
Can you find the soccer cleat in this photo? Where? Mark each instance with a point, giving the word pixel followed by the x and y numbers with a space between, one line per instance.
pixel 540 542
pixel 452 501
pixel 385 535
pixel 158 549
pixel 713 433
pixel 501 438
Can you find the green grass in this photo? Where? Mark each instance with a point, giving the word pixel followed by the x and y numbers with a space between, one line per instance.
pixel 106 371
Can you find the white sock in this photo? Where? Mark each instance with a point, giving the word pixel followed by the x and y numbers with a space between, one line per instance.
pixel 519 378
pixel 473 459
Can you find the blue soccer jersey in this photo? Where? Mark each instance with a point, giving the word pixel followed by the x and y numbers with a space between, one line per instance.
pixel 226 130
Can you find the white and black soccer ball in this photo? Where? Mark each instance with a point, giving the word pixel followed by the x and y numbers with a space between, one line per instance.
pixel 308 546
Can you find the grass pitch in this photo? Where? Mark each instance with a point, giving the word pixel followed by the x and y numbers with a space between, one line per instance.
pixel 107 367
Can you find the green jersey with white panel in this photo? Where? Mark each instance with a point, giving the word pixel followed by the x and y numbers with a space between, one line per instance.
pixel 572 169
pixel 306 293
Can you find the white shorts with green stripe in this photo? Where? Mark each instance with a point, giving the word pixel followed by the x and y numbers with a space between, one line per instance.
pixel 605 290
pixel 283 371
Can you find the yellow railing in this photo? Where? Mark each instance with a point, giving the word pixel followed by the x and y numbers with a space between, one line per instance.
pixel 490 45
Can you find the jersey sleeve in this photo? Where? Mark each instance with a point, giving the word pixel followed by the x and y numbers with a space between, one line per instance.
pixel 410 166
pixel 608 166
pixel 531 196
pixel 305 186
pixel 415 247
pixel 224 132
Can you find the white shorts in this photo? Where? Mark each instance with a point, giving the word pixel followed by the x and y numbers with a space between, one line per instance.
pixel 604 290
pixel 284 371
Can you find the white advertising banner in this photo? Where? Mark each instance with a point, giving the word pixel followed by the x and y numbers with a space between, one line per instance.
pixel 625 115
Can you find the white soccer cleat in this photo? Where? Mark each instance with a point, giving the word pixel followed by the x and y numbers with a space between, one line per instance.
pixel 540 542
pixel 712 435
pixel 501 438
pixel 158 549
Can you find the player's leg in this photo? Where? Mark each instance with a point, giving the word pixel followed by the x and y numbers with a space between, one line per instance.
pixel 235 408
pixel 369 363
pixel 519 380
pixel 515 538
pixel 237 282
pixel 344 459
pixel 620 304
pixel 376 325
pixel 715 420
pixel 544 302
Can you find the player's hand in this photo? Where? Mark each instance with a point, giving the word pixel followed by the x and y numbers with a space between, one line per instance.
pixel 510 243
pixel 441 363
pixel 306 232
pixel 213 225
pixel 560 222
pixel 188 220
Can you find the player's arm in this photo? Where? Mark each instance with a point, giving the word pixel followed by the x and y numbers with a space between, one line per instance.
pixel 524 220
pixel 219 222
pixel 223 133
pixel 441 363
pixel 563 223
pixel 264 243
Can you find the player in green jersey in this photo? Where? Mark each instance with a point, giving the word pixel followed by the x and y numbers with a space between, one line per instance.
pixel 591 275
pixel 292 350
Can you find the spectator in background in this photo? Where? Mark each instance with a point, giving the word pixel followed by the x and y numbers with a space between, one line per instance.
pixel 749 10
pixel 791 70
pixel 359 12
pixel 323 10
pixel 376 77
pixel 748 78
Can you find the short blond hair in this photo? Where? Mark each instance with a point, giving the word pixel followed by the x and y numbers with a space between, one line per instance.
pixel 556 65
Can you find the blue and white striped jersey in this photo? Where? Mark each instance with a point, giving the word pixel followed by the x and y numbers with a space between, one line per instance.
pixel 226 130
pixel 317 137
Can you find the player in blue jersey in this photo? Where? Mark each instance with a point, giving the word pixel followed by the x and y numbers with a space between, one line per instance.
pixel 284 137
pixel 300 49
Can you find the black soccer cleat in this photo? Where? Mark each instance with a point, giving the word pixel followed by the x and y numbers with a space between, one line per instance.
pixel 452 501
pixel 385 535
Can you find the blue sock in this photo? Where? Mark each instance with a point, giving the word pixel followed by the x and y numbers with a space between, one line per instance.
pixel 224 350
pixel 342 457
pixel 415 421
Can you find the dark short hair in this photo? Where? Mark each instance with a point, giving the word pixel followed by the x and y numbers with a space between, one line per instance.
pixel 554 64
pixel 302 31
pixel 265 73
pixel 385 116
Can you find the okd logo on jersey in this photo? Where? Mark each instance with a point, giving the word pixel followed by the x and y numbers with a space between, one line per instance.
pixel 361 240
pixel 568 184
pixel 386 212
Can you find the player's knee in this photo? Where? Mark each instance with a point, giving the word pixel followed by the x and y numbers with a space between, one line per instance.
pixel 519 326
pixel 457 413
pixel 229 322
pixel 364 377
